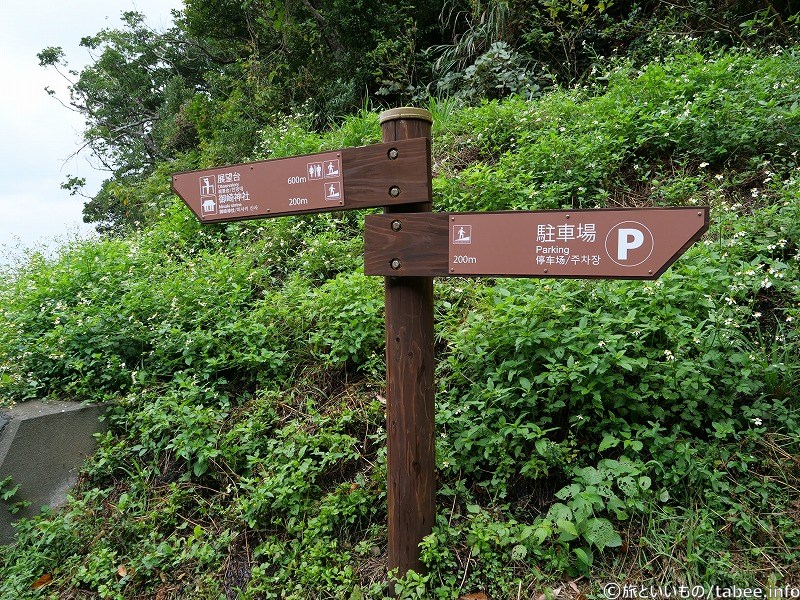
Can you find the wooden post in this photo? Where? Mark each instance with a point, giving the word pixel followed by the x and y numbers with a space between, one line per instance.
pixel 411 456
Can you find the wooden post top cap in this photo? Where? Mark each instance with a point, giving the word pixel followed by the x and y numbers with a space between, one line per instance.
pixel 406 112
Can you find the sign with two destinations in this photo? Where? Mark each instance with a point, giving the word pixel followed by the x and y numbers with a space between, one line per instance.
pixel 604 243
pixel 351 178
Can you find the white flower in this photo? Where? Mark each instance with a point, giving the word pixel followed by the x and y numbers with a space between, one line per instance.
pixel 669 355
pixel 703 165
pixel 757 422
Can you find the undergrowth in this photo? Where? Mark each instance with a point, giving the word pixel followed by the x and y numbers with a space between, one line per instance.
pixel 644 432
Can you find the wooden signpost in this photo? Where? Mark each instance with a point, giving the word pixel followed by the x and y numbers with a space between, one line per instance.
pixel 409 245
pixel 396 175
pixel 410 407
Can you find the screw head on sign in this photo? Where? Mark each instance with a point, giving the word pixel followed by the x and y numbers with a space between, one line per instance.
pixel 393 154
pixel 396 225
pixel 395 263
pixel 394 191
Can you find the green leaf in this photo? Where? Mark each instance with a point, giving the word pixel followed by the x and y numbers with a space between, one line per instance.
pixel 541 534
pixel 357 594
pixel 584 557
pixel 601 533
pixel 569 491
pixel 591 476
pixel 609 441
pixel 541 446
pixel 628 486
pixel 200 467
pixel 567 527
pixel 9 493
pixel 518 552
pixel 635 445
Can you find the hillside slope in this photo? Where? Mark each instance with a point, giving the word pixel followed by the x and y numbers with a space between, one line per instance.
pixel 644 432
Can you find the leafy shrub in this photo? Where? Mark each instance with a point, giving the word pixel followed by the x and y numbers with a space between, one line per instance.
pixel 498 72
pixel 347 321
pixel 584 427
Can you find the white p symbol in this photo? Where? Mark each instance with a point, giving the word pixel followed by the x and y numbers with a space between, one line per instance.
pixel 628 239
pixel 629 243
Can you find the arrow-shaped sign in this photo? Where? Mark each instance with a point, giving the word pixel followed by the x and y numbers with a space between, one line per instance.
pixel 605 243
pixel 351 178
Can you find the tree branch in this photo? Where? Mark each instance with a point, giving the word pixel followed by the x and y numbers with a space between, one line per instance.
pixel 330 37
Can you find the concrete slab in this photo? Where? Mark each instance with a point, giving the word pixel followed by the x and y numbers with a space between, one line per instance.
pixel 42 447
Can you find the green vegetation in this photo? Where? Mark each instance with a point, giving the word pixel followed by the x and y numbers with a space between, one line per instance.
pixel 640 432
pixel 205 91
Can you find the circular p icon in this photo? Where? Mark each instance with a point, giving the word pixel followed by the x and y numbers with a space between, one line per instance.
pixel 629 243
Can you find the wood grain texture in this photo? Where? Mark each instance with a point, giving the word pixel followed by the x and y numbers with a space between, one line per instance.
pixel 411 456
pixel 369 174
pixel 421 244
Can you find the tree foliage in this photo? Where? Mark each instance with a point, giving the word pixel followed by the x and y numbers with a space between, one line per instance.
pixel 136 97
pixel 202 91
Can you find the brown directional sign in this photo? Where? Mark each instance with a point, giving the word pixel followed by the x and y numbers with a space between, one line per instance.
pixel 606 243
pixel 351 178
